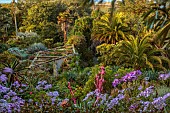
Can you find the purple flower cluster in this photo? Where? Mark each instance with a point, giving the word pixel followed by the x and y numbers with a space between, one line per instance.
pixel 43 85
pixel 88 95
pixel 101 99
pixel 16 84
pixel 10 102
pixel 53 96
pixel 140 88
pixel 157 103
pixel 164 76
pixel 4 89
pixel 3 78
pixel 115 101
pixel 129 77
pixel 166 96
pixel 116 82
pixel 95 93
pixel 147 92
pixel 8 70
pixel 145 105
pixel 133 107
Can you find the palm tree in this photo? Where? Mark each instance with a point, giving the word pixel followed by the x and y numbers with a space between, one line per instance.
pixel 138 52
pixel 89 2
pixel 64 19
pixel 110 32
pixel 15 20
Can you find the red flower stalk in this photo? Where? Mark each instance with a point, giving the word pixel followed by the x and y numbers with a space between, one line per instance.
pixel 72 93
pixel 99 80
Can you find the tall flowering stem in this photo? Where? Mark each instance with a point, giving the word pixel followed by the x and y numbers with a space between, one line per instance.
pixel 99 80
pixel 72 93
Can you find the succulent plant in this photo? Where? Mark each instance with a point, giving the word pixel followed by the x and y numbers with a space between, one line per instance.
pixel 19 53
pixel 36 47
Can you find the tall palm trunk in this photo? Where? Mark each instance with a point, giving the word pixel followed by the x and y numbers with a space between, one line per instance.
pixel 15 19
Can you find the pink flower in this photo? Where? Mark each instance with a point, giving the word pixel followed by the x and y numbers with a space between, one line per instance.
pixel 116 75
pixel 102 70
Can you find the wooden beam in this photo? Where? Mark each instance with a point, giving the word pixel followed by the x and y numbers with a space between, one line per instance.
pixel 49 61
pixel 48 56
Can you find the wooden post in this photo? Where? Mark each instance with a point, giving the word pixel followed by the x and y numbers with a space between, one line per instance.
pixel 55 73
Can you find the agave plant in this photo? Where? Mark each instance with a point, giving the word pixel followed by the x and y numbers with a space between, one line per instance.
pixel 139 53
pixel 12 69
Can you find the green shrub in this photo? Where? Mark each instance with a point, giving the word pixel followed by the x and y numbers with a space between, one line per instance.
pixel 108 77
pixel 81 47
pixel 150 74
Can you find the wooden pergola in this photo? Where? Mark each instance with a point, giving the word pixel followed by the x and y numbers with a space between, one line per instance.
pixel 55 56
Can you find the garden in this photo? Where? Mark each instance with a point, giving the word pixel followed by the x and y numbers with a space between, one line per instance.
pixel 119 60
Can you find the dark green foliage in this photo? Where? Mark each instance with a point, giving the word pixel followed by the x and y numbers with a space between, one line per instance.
pixel 3 47
pixel 6 24
pixel 80 44
pixel 83 26
pixel 151 75
pixel 45 23
pixel 24 40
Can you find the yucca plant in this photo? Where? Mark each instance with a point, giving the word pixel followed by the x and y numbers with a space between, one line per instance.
pixel 139 53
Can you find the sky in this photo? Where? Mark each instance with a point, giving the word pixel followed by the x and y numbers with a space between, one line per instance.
pixel 5 1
